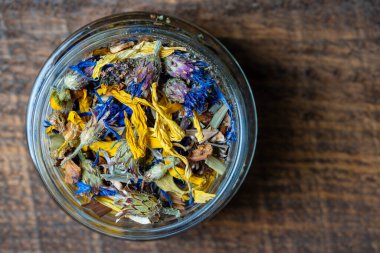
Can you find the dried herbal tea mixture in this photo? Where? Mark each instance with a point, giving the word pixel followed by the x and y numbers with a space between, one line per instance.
pixel 140 130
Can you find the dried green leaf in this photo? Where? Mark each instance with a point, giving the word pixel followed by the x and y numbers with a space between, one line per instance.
pixel 218 117
pixel 167 184
pixel 216 165
pixel 171 211
pixel 56 141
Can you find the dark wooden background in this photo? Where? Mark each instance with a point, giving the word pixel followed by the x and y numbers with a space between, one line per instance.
pixel 314 67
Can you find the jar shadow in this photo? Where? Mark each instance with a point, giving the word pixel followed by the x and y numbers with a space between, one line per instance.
pixel 272 83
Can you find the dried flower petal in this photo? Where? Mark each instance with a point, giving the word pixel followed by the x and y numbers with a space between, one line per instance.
pixel 85 102
pixel 202 197
pixel 175 90
pixel 216 165
pixel 201 153
pixel 72 172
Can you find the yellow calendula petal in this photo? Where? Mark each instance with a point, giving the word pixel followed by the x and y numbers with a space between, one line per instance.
pixel 199 134
pixel 185 197
pixel 138 119
pixel 84 102
pixel 50 129
pixel 140 50
pixel 172 108
pixel 111 58
pixel 108 202
pixel 54 102
pixel 154 142
pixel 180 174
pixel 126 98
pixel 209 179
pixel 163 137
pixel 175 131
pixel 148 48
pixel 130 137
pixel 74 118
pixel 166 51
pixel 109 146
pixel 167 184
pixel 202 197
pixel 103 89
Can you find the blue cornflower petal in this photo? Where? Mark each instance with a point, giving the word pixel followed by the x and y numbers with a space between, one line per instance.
pixel 167 197
pixel 135 89
pixel 220 96
pixel 129 111
pixel 191 200
pixel 46 123
pixel 83 188
pixel 106 192
pixel 110 130
pixel 137 185
pixel 201 64
pixel 231 133
pixel 96 161
pixel 83 114
pixel 98 96
pixel 83 64
pixel 103 108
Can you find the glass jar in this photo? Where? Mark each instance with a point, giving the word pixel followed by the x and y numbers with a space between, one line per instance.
pixel 109 29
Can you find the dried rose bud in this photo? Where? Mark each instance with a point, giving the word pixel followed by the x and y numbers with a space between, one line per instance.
pixel 179 66
pixel 175 90
pixel 225 124
pixel 205 117
pixel 72 172
pixel 201 153
pixel 71 134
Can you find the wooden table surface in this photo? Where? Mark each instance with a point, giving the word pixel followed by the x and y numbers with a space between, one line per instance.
pixel 314 185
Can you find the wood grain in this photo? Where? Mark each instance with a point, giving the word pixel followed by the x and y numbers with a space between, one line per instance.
pixel 314 67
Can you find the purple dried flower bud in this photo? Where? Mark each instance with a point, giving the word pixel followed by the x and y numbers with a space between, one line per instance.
pixel 179 66
pixel 115 74
pixel 175 90
pixel 146 72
